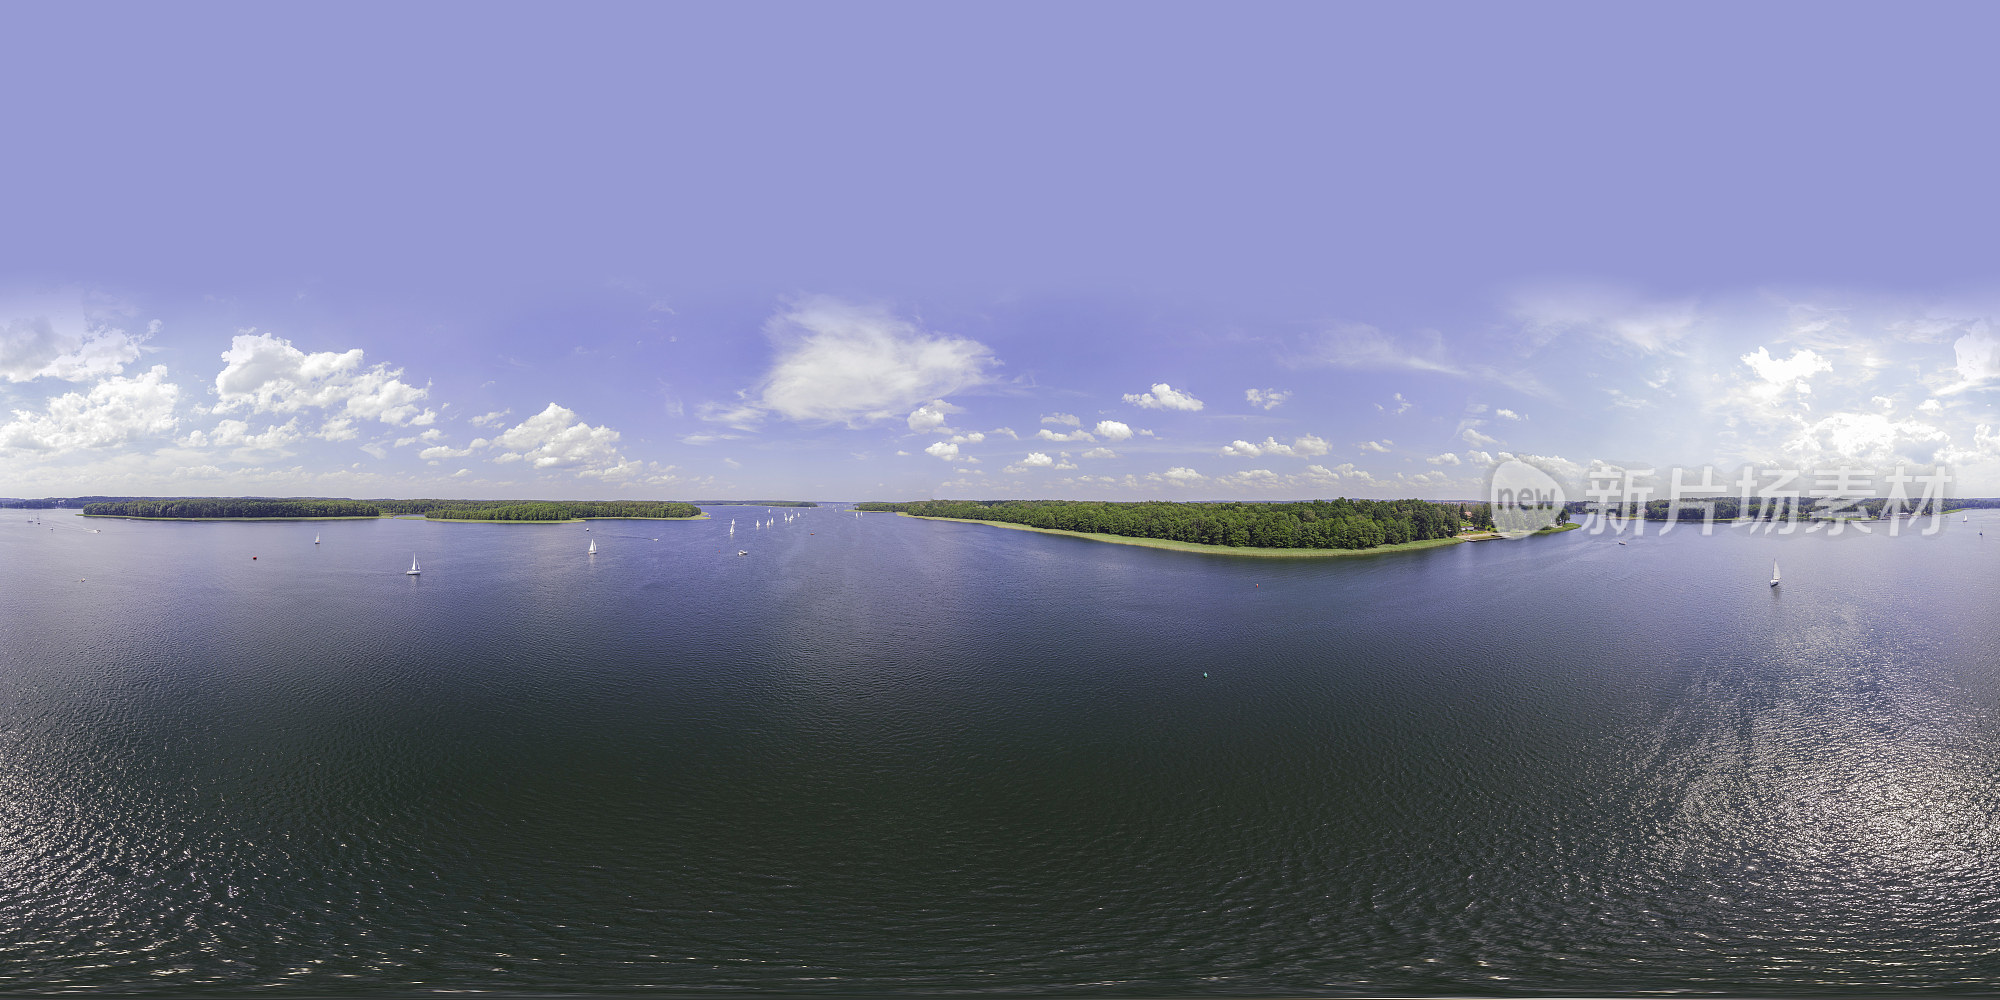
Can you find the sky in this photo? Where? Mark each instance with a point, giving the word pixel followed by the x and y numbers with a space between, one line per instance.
pixel 980 250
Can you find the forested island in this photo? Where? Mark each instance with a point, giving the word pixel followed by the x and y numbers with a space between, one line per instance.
pixel 561 510
pixel 1315 524
pixel 248 508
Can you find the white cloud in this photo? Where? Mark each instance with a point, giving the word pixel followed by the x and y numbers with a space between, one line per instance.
pixel 1376 446
pixel 971 437
pixel 442 451
pixel 1100 453
pixel 1471 436
pixel 376 450
pixel 1163 397
pixel 1048 435
pixel 1005 432
pixel 1300 447
pixel 1794 372
pixel 556 439
pixel 850 364
pixel 1401 405
pixel 1931 406
pixel 1883 401
pixel 115 411
pixel 1267 399
pixel 490 419
pixel 1036 458
pixel 61 336
pixel 266 374
pixel 931 415
pixel 1113 430
pixel 1445 459
pixel 1978 355
pixel 1181 474
pixel 1509 414
pixel 942 449
pixel 1479 457
pixel 1062 420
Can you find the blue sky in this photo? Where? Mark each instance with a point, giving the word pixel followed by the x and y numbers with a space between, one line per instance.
pixel 984 250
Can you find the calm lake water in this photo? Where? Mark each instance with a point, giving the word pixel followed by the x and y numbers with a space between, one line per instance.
pixel 884 755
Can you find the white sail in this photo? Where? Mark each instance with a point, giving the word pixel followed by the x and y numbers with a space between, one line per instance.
pixel 593 547
pixel 315 538
pixel 414 569
pixel 1774 572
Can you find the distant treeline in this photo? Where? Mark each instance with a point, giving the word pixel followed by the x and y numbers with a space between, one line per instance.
pixel 1315 524
pixel 1776 508
pixel 236 507
pixel 559 510
pixel 756 503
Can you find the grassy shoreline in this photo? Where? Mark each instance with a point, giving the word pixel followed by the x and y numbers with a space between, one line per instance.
pixel 1218 550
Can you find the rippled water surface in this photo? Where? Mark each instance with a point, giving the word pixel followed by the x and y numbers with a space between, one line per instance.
pixel 883 755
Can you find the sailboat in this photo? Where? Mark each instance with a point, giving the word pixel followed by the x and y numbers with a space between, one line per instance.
pixel 414 569
pixel 315 538
pixel 1774 572
pixel 593 548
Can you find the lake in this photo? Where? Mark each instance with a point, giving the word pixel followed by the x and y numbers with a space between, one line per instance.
pixel 881 755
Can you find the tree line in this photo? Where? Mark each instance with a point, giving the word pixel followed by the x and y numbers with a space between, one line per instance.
pixel 226 507
pixel 1314 524
pixel 559 510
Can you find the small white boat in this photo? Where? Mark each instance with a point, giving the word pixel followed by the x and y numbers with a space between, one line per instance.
pixel 315 538
pixel 593 548
pixel 742 552
pixel 414 570
pixel 1774 572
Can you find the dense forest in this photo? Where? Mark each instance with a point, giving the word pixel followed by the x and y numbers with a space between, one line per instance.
pixel 558 510
pixel 220 507
pixel 756 503
pixel 1315 524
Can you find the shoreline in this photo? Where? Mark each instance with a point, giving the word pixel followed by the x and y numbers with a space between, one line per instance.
pixel 1197 547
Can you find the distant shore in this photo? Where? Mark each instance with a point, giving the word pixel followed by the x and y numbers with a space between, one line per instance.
pixel 1219 550
pixel 571 520
pixel 135 517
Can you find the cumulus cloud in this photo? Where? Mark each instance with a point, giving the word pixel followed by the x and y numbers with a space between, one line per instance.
pixel 1401 405
pixel 971 437
pixel 1267 399
pixel 1062 420
pixel 1509 414
pixel 1471 436
pixel 1005 432
pixel 113 412
pixel 556 439
pixel 1978 355
pixel 442 451
pixel 1181 474
pixel 1376 446
pixel 1036 458
pixel 1794 372
pixel 1163 397
pixel 490 419
pixel 1100 453
pixel 931 415
pixel 1048 435
pixel 942 449
pixel 61 336
pixel 266 374
pixel 1300 447
pixel 1445 459
pixel 1113 430
pixel 850 364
